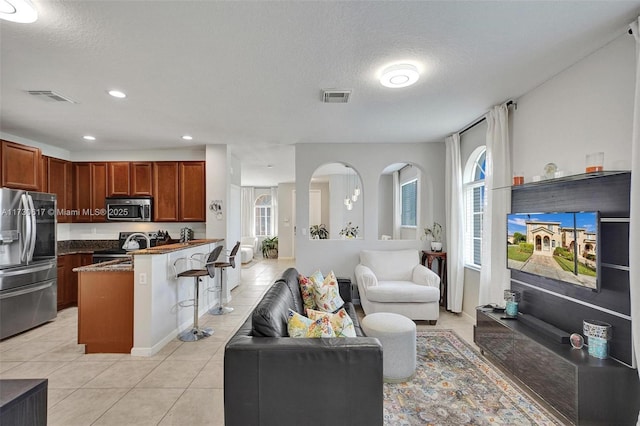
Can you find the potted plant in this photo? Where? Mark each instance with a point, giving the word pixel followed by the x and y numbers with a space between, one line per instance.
pixel 435 232
pixel 319 232
pixel 270 247
pixel 349 231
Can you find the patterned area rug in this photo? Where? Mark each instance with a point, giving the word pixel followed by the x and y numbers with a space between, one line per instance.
pixel 454 385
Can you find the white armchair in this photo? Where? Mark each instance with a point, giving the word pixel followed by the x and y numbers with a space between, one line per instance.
pixel 395 281
pixel 247 249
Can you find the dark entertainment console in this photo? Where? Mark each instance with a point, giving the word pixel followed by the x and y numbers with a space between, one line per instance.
pixel 584 389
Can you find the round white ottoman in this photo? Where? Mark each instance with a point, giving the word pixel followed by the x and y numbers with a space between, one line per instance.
pixel 397 334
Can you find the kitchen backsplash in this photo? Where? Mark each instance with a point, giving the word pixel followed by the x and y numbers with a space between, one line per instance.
pixel 110 231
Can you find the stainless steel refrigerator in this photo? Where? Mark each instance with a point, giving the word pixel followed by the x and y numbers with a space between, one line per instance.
pixel 28 270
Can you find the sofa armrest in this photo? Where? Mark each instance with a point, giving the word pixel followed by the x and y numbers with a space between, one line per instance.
pixel 365 277
pixel 425 276
pixel 272 381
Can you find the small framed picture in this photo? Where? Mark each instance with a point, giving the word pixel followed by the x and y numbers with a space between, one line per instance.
pixel 577 341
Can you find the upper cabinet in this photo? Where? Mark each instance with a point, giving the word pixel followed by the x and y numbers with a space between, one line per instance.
pixel 178 187
pixel 60 182
pixel 179 191
pixel 192 191
pixel 130 178
pixel 119 182
pixel 165 191
pixel 20 166
pixel 90 191
pixel 141 178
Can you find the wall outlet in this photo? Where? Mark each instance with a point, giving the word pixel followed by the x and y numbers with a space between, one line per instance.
pixel 142 278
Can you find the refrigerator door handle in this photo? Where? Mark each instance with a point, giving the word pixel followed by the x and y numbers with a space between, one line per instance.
pixel 8 294
pixel 32 216
pixel 23 270
pixel 26 227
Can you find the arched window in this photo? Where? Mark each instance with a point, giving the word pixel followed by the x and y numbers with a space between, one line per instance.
pixel 263 216
pixel 474 197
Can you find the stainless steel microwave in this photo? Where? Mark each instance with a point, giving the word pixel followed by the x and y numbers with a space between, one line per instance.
pixel 129 209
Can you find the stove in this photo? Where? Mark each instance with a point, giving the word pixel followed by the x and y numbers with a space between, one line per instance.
pixel 120 253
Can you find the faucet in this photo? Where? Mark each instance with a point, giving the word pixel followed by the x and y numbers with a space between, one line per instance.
pixel 136 234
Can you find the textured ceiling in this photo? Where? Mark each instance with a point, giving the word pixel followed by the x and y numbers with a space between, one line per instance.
pixel 250 74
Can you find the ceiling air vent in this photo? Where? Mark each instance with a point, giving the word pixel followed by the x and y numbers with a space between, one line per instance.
pixel 334 96
pixel 50 96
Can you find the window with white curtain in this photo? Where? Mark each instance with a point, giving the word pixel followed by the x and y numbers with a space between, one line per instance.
pixel 409 194
pixel 474 198
pixel 263 222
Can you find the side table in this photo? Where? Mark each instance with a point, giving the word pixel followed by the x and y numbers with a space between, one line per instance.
pixel 441 256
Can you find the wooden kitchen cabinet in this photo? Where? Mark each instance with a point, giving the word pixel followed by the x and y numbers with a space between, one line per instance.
pixel 20 166
pixel 99 180
pixel 68 280
pixel 141 178
pixel 179 191
pixel 165 191
pixel 119 179
pixel 105 311
pixel 192 191
pixel 90 191
pixel 60 182
pixel 43 186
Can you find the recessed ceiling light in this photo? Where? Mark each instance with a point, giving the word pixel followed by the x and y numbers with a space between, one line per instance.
pixel 21 11
pixel 117 94
pixel 89 138
pixel 400 75
pixel 187 137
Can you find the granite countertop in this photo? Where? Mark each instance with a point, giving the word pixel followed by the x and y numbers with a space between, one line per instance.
pixel 118 265
pixel 170 248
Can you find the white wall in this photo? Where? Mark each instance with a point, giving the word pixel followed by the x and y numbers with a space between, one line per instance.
pixel 369 160
pixel 586 108
pixel 285 221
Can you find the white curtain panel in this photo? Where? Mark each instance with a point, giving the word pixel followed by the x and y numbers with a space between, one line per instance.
pixel 494 275
pixel 396 206
pixel 247 209
pixel 634 225
pixel 274 209
pixel 455 223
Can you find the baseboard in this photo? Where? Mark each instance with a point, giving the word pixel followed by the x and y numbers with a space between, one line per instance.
pixel 155 348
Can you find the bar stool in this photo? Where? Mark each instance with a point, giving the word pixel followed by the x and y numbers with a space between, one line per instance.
pixel 230 263
pixel 197 333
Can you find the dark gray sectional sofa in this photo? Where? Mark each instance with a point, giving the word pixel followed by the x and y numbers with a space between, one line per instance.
pixel 272 379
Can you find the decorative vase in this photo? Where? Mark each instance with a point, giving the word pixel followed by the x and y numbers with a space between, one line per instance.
pixel 436 246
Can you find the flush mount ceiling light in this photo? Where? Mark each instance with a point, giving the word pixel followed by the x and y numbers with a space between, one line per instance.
pixel 400 75
pixel 21 11
pixel 115 93
pixel 89 138
pixel 187 137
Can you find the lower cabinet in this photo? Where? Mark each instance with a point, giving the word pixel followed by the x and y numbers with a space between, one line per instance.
pixel 105 311
pixel 585 389
pixel 68 280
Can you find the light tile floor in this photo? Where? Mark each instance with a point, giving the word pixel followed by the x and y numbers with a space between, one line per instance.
pixel 181 385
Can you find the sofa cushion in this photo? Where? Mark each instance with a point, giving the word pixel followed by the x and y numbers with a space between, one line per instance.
pixel 290 277
pixel 327 294
pixel 340 321
pixel 300 326
pixel 402 291
pixel 306 289
pixel 391 265
pixel 269 318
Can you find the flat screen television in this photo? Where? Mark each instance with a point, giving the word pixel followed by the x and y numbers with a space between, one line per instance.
pixel 562 246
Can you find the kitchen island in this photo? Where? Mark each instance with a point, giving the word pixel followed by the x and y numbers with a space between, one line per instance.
pixel 143 292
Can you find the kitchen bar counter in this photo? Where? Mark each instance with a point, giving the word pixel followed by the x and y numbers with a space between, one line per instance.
pixel 150 291
pixel 170 248
pixel 118 265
